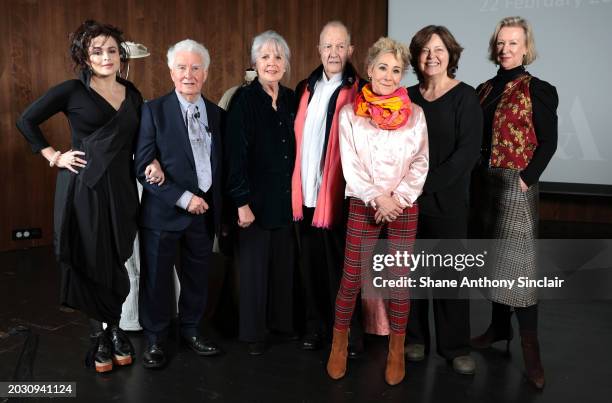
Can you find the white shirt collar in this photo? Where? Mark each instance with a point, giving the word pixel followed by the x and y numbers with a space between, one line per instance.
pixel 336 78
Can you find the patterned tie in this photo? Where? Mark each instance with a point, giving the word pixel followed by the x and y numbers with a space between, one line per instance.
pixel 198 146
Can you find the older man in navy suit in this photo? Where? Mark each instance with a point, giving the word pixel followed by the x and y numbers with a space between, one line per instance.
pixel 183 131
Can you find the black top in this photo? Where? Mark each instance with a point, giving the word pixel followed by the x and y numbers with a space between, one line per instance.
pixel 544 101
pixel 85 109
pixel 260 153
pixel 454 127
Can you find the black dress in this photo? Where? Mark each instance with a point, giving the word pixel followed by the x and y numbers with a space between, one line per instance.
pixel 454 127
pixel 95 216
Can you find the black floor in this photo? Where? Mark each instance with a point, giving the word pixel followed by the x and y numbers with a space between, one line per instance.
pixel 41 343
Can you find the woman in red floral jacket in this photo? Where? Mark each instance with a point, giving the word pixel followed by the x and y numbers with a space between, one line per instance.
pixel 520 138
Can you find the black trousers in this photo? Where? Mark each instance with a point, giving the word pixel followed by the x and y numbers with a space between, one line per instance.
pixel 158 255
pixel 451 316
pixel 266 261
pixel 321 262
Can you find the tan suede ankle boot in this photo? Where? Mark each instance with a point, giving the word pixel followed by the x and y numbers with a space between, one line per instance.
pixel 336 365
pixel 396 370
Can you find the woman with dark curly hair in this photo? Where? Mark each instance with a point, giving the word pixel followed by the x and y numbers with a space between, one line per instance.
pixel 96 202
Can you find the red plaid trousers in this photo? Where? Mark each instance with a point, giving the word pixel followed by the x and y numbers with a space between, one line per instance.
pixel 361 234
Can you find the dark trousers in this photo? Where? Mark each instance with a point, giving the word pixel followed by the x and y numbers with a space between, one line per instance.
pixel 158 256
pixel 266 261
pixel 451 316
pixel 321 261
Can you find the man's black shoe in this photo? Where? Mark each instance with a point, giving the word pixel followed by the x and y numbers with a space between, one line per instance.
pixel 202 346
pixel 257 348
pixel 154 357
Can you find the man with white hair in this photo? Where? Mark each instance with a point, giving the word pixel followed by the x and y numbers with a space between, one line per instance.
pixel 318 184
pixel 183 131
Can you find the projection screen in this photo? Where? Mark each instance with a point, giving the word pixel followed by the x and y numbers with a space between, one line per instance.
pixel 574 44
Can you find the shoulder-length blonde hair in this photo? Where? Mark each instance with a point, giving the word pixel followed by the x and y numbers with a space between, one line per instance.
pixel 531 54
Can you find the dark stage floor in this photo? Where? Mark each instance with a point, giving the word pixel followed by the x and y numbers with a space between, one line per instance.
pixel 576 343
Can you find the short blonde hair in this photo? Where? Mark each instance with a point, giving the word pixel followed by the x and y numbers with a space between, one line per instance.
pixel 387 45
pixel 520 22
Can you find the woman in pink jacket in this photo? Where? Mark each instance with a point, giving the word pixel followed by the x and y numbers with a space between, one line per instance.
pixel 384 152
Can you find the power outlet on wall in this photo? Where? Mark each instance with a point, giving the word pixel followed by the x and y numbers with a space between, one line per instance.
pixel 24 234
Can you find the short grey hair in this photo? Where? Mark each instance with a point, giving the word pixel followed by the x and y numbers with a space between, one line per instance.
pixel 188 45
pixel 279 43
pixel 336 24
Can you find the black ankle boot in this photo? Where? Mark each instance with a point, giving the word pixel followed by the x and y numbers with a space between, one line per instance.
pixel 99 355
pixel 499 329
pixel 122 349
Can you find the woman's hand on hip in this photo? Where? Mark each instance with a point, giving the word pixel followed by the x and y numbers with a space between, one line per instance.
pixel 523 185
pixel 70 159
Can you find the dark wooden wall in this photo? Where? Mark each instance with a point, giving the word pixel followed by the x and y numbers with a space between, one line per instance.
pixel 33 57
pixel 589 209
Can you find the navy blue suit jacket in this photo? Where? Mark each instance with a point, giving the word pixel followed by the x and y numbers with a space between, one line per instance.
pixel 163 135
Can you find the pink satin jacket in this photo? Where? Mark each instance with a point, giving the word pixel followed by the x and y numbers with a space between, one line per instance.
pixel 376 161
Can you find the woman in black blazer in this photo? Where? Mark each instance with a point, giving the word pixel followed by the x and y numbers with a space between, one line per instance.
pixel 260 155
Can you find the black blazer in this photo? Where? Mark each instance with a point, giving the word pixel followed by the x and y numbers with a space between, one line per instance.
pixel 163 135
pixel 260 154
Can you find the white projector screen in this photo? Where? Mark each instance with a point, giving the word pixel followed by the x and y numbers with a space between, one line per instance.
pixel 574 44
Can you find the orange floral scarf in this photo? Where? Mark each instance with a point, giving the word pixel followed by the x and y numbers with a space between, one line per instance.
pixel 389 112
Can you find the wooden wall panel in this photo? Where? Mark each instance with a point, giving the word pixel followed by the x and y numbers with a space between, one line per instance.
pixel 590 209
pixel 33 57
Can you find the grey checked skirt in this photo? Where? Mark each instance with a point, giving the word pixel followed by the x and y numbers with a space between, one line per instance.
pixel 509 218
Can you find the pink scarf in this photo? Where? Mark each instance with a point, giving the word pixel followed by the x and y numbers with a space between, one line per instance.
pixel 328 210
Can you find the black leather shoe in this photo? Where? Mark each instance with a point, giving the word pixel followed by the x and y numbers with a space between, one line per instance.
pixel 312 341
pixel 202 346
pixel 355 348
pixel 122 348
pixel 257 348
pixel 154 357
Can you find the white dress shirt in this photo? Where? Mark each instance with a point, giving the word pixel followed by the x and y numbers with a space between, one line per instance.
pixel 313 140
